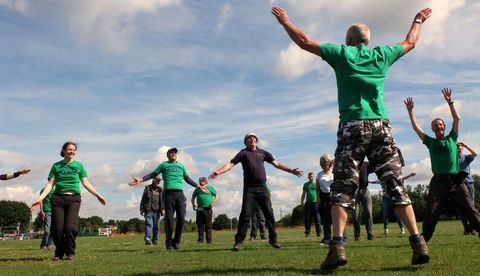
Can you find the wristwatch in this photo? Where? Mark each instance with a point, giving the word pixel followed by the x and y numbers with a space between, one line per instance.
pixel 418 20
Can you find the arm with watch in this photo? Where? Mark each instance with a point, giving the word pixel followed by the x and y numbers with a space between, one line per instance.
pixel 414 33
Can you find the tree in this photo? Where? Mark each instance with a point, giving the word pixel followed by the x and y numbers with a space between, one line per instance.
pixel 96 222
pixel 285 220
pixel 297 216
pixel 14 212
pixel 221 222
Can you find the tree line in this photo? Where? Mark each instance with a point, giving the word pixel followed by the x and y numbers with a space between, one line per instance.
pixel 13 213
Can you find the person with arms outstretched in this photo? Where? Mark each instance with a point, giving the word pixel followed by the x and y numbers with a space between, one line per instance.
pixel 448 182
pixel 173 174
pixel 254 186
pixel 66 176
pixel 364 128
pixel 8 176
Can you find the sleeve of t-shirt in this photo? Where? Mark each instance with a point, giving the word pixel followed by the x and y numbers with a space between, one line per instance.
pixel 329 52
pixel 195 193
pixel 52 173
pixel 391 53
pixel 184 171
pixel 212 190
pixel 82 173
pixel 427 141
pixel 159 169
pixel 453 134
pixel 235 160
pixel 269 157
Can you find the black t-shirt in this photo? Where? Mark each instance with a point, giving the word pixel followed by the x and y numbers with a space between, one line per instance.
pixel 253 169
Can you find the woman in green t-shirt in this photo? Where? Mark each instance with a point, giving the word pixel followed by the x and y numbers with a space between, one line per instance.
pixel 66 176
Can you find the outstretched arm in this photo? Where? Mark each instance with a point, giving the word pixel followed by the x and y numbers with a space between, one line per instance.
pixel 409 104
pixel 414 33
pixel 284 168
pixel 222 170
pixel 447 94
pixel 299 37
pixel 409 175
pixel 8 176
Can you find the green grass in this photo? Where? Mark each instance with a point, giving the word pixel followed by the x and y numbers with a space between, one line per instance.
pixel 451 254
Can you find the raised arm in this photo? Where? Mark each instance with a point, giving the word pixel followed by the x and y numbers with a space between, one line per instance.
pixel 222 170
pixel 299 37
pixel 414 33
pixel 409 104
pixel 412 174
pixel 284 168
pixel 472 152
pixel 447 94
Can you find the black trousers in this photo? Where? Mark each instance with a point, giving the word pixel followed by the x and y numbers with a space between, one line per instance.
pixel 261 195
pixel 204 224
pixel 65 223
pixel 175 202
pixel 440 190
pixel 258 223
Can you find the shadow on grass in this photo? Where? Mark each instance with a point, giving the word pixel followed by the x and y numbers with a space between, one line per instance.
pixel 256 270
pixel 28 259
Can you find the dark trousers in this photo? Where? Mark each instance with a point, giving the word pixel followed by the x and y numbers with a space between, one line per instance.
pixel 440 190
pixel 65 223
pixel 326 215
pixel 258 222
pixel 175 202
pixel 261 196
pixel 311 210
pixel 363 198
pixel 204 224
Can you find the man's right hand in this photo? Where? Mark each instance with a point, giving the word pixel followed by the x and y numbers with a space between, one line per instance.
pixel 409 103
pixel 135 181
pixel 280 14
pixel 424 14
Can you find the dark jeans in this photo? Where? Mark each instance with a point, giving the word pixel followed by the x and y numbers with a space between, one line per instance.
pixel 466 225
pixel 175 202
pixel 65 223
pixel 261 196
pixel 47 237
pixel 311 210
pixel 204 224
pixel 440 190
pixel 258 222
pixel 387 205
pixel 363 198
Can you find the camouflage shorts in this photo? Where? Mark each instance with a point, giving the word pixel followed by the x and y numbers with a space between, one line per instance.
pixel 372 139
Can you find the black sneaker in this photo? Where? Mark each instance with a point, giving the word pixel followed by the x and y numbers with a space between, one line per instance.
pixel 175 246
pixel 336 256
pixel 237 246
pixel 275 245
pixel 370 237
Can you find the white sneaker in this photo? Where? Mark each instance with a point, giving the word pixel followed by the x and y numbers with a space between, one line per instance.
pixel 402 230
pixel 385 231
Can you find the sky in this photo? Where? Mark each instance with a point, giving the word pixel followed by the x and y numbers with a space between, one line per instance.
pixel 126 80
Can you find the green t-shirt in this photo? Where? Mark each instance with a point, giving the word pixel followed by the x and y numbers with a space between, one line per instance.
pixel 310 189
pixel 47 207
pixel 67 176
pixel 204 200
pixel 360 73
pixel 443 153
pixel 172 174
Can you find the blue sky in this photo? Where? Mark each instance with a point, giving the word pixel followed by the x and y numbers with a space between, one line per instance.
pixel 128 79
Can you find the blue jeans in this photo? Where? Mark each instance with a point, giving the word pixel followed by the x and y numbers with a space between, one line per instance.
pixel 47 237
pixel 151 226
pixel 387 205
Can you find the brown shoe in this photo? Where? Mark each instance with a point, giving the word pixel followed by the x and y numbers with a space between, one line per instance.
pixel 56 258
pixel 237 246
pixel 336 256
pixel 420 250
pixel 71 257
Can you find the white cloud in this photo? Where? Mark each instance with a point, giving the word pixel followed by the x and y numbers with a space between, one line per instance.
pixel 226 14
pixel 18 193
pixel 20 6
pixel 294 62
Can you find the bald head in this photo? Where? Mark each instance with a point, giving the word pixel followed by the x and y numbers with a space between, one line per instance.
pixel 358 33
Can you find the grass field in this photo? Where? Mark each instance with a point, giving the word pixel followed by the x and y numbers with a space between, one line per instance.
pixel 451 254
